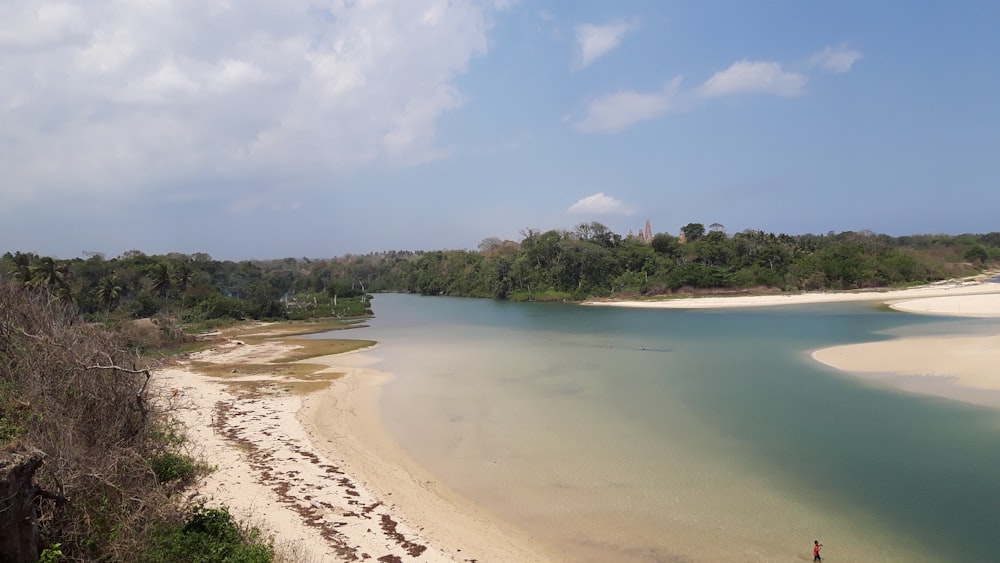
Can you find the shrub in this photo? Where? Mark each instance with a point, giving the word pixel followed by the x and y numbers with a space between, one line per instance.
pixel 172 467
pixel 210 535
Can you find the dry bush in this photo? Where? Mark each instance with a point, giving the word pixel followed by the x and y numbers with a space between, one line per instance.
pixel 77 393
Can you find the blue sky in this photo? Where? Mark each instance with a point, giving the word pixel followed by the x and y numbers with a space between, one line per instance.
pixel 253 129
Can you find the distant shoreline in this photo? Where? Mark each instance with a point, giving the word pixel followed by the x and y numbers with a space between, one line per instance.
pixel 977 285
pixel 961 368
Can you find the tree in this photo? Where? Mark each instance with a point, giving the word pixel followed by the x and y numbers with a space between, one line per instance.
pixel 597 233
pixel 109 291
pixel 20 267
pixel 181 277
pixel 490 244
pixel 693 231
pixel 160 280
pixel 977 253
pixel 48 273
pixel 666 245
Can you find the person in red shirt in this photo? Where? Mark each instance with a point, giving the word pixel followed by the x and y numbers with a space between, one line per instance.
pixel 816 547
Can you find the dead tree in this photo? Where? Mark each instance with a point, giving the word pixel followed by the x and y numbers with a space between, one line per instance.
pixel 20 540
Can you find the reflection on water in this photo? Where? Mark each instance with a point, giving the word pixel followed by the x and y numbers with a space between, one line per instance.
pixel 642 435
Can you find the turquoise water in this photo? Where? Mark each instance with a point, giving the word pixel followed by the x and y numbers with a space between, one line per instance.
pixel 671 435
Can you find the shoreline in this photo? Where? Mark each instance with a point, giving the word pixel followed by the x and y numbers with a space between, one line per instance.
pixel 307 461
pixel 951 288
pixel 960 368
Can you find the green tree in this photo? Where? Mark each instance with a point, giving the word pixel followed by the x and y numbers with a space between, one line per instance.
pixel 181 278
pixel 977 253
pixel 666 245
pixel 160 280
pixel 693 231
pixel 109 291
pixel 19 267
pixel 46 272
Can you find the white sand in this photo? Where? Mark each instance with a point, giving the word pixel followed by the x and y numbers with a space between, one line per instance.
pixel 318 472
pixel 959 288
pixel 960 366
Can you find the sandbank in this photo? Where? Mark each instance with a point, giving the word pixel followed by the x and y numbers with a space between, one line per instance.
pixel 307 460
pixel 948 289
pixel 962 368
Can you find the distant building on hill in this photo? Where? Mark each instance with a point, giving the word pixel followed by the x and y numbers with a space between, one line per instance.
pixel 645 235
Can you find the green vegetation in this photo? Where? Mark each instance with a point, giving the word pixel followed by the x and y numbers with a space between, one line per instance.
pixel 199 293
pixel 209 535
pixel 89 468
pixel 192 292
pixel 592 261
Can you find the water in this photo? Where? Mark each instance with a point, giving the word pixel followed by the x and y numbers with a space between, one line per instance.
pixel 671 435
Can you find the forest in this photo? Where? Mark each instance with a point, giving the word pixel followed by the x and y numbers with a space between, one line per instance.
pixel 588 261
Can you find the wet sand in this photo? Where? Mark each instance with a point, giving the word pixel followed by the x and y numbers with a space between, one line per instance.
pixel 309 463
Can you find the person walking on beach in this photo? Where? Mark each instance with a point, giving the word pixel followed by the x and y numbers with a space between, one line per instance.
pixel 816 547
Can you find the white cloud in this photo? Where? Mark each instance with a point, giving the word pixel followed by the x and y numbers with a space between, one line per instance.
pixel 623 109
pixel 594 41
pixel 838 60
pixel 127 96
pixel 231 74
pixel 600 204
pixel 754 77
pixel 107 51
pixel 34 25
pixel 166 84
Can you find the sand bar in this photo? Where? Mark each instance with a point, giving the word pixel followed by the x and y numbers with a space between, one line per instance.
pixel 962 368
pixel 953 288
pixel 309 462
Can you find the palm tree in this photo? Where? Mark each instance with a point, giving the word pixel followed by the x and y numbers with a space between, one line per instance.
pixel 159 276
pixel 108 291
pixel 48 273
pixel 181 277
pixel 20 267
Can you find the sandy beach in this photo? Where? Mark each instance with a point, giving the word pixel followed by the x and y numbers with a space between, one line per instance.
pixel 961 368
pixel 947 296
pixel 306 460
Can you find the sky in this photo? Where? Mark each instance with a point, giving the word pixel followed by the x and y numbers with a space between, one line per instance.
pixel 295 128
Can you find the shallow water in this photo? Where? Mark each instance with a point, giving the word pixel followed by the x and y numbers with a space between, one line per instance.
pixel 671 435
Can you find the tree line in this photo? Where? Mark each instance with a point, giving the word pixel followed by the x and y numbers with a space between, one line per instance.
pixel 588 260
pixel 592 261
pixel 194 289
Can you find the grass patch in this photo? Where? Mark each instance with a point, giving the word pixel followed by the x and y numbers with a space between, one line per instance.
pixel 213 369
pixel 292 328
pixel 289 364
pixel 306 348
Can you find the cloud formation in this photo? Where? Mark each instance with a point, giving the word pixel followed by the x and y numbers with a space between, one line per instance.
pixel 600 204
pixel 618 111
pixel 595 41
pixel 838 60
pixel 754 77
pixel 147 96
